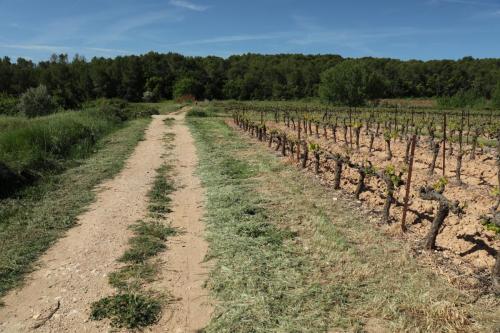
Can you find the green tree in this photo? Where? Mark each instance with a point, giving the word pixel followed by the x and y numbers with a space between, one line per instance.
pixel 36 102
pixel 186 86
pixel 343 84
pixel 154 89
pixel 495 97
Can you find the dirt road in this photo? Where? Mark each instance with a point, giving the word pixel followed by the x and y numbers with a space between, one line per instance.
pixel 185 271
pixel 73 272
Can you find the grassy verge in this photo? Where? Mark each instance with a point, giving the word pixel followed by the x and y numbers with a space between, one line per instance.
pixel 134 306
pixel 32 149
pixel 30 223
pixel 288 258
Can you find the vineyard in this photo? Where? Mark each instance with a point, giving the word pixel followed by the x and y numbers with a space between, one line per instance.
pixel 433 175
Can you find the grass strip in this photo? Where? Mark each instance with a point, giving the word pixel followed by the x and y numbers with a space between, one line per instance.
pixel 288 258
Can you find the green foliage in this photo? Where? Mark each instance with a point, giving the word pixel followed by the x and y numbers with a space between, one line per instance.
pixel 8 105
pixel 36 102
pixel 462 99
pixel 314 147
pixel 154 89
pixel 495 192
pixel 44 142
pixel 491 226
pixel 242 77
pixel 186 86
pixel 495 97
pixel 343 84
pixel 121 109
pixel 196 112
pixel 127 310
pixel 396 179
pixel 51 143
pixel 440 185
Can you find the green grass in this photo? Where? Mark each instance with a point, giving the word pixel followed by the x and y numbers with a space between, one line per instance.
pixel 159 196
pixel 287 258
pixel 42 146
pixel 133 276
pixel 197 112
pixel 127 310
pixel 40 214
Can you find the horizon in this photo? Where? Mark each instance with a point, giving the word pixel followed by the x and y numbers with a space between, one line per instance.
pixel 413 30
pixel 88 59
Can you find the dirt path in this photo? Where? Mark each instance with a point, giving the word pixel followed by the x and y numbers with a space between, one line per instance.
pixel 73 272
pixel 185 271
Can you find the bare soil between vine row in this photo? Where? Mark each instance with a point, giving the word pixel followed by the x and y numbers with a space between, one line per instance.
pixel 466 248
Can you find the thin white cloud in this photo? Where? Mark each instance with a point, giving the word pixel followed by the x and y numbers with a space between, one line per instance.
pixel 188 5
pixel 107 50
pixel 232 39
pixel 464 2
pixel 61 49
pixel 35 47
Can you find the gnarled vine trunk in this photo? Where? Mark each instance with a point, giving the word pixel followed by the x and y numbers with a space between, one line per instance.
pixel 444 208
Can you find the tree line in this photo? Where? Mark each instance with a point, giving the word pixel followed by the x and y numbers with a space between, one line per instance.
pixel 154 76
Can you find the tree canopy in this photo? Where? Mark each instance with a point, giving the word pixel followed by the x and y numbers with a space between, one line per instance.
pixel 344 84
pixel 250 76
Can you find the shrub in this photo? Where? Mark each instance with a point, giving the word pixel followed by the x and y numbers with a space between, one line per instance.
pixel 148 96
pixel 197 113
pixel 8 105
pixel 36 102
pixel 462 99
pixel 495 98
pixel 121 109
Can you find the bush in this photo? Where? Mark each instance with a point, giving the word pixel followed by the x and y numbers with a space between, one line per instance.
pixel 462 99
pixel 36 102
pixel 8 105
pixel 495 98
pixel 195 112
pixel 121 109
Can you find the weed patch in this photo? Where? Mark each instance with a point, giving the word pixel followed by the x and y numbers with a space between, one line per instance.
pixel 127 310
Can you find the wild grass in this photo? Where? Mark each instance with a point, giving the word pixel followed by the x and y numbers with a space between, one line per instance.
pixel 202 112
pixel 159 196
pixel 290 259
pixel 40 143
pixel 127 310
pixel 40 214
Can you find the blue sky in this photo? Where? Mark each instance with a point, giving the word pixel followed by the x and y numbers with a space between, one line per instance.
pixel 406 29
